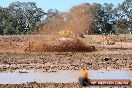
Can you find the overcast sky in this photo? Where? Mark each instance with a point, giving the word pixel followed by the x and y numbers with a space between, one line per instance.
pixel 61 5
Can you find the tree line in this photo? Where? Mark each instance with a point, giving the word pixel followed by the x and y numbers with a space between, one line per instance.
pixel 110 19
pixel 26 18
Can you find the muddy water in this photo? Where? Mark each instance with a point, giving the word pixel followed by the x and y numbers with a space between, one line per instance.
pixel 24 76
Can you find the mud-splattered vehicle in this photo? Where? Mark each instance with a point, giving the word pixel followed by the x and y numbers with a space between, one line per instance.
pixel 85 81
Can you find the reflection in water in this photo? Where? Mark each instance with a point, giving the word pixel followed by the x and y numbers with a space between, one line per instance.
pixel 24 76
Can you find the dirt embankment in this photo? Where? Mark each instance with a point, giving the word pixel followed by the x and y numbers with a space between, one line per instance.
pixel 37 43
pixel 48 43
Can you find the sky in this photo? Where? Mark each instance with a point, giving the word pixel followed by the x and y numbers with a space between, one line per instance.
pixel 61 5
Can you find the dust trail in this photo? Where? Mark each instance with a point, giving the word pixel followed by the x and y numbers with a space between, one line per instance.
pixel 66 26
pixel 77 20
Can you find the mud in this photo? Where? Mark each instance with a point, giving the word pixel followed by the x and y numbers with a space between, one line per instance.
pixel 48 43
pixel 59 45
pixel 24 76
pixel 56 85
pixel 36 43
pixel 52 62
pixel 13 58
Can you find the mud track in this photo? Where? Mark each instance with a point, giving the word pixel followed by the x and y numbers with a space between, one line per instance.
pixel 113 59
pixel 51 62
pixel 57 85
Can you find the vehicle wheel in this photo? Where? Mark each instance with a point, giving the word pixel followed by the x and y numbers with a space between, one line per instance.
pixel 84 81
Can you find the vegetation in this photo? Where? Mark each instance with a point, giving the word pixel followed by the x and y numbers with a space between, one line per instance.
pixel 20 18
pixel 110 19
pixel 26 18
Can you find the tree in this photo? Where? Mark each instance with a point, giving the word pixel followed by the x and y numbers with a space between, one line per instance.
pixel 122 26
pixel 97 18
pixel 104 18
pixel 51 15
pixel 26 15
pixel 7 22
pixel 124 17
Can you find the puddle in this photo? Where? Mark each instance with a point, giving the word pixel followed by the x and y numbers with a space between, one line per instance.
pixel 24 76
pixel 110 75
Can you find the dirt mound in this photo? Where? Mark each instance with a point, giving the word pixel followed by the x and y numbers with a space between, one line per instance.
pixel 12 43
pixel 58 45
pixel 41 43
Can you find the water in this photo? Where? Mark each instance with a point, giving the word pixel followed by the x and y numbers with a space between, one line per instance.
pixel 110 75
pixel 24 76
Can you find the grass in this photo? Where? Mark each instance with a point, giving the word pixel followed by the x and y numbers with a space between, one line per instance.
pixel 94 42
pixel 88 41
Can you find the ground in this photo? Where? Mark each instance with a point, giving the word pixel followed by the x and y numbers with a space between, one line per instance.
pixel 61 85
pixel 107 56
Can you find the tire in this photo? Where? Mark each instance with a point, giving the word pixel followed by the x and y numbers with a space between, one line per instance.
pixel 84 81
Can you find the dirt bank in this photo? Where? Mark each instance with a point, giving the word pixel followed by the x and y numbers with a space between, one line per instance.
pixel 42 43
pixel 45 43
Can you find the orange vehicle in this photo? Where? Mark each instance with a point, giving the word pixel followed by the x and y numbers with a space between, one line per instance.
pixel 85 81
